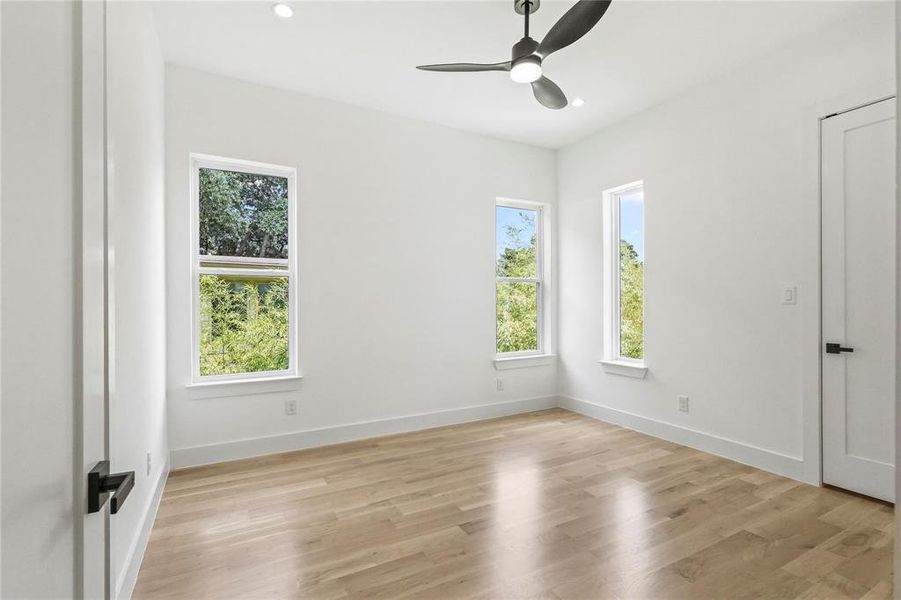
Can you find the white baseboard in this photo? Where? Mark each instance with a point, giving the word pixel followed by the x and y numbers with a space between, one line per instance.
pixel 761 458
pixel 126 585
pixel 215 453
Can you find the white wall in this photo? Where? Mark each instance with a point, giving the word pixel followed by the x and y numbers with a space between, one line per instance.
pixel 37 267
pixel 135 78
pixel 730 172
pixel 396 268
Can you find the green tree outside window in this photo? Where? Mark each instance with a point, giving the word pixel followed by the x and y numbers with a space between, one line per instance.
pixel 516 304
pixel 631 293
pixel 244 321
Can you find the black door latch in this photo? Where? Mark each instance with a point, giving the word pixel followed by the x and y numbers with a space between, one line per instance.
pixel 833 348
pixel 101 483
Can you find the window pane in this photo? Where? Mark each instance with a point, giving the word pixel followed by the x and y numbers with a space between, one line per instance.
pixel 631 260
pixel 243 214
pixel 516 242
pixel 517 317
pixel 243 325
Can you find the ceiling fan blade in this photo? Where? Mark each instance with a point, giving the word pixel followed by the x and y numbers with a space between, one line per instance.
pixel 466 67
pixel 549 94
pixel 577 21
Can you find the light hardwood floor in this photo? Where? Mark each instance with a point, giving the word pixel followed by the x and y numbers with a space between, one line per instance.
pixel 548 504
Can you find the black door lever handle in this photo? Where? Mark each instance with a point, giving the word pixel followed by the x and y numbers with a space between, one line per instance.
pixel 101 483
pixel 833 348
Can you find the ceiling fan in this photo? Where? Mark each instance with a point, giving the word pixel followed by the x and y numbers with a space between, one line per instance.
pixel 527 55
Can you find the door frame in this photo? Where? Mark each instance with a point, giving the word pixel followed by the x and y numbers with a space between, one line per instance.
pixel 93 269
pixel 812 246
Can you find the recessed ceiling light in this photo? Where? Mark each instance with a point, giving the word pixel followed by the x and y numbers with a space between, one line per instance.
pixel 283 10
pixel 577 102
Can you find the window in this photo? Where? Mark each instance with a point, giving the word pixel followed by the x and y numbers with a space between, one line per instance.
pixel 519 266
pixel 624 274
pixel 243 270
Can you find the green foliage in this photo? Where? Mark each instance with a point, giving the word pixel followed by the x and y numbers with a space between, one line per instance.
pixel 517 317
pixel 519 259
pixel 517 303
pixel 243 325
pixel 631 302
pixel 243 214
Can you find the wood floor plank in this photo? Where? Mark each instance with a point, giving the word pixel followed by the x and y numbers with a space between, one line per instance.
pixel 542 505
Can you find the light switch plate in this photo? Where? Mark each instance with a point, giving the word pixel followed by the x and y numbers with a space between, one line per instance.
pixel 789 295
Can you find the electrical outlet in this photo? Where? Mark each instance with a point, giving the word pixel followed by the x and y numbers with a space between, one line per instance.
pixel 290 407
pixel 683 403
pixel 499 384
pixel 149 464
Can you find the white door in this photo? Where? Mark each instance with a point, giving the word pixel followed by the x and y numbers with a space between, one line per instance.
pixel 858 246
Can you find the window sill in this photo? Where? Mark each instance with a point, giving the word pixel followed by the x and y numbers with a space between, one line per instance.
pixel 243 387
pixel 522 362
pixel 636 370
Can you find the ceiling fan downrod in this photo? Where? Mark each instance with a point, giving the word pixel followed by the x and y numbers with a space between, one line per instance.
pixel 528 7
pixel 524 49
pixel 526 45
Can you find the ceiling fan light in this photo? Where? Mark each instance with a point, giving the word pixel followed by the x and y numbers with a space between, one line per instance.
pixel 526 70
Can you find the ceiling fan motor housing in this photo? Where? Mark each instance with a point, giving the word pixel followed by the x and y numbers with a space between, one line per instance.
pixel 524 47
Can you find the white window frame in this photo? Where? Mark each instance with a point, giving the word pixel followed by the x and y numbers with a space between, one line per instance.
pixel 542 257
pixel 204 161
pixel 613 360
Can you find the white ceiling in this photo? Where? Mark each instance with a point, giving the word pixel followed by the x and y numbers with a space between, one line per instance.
pixel 364 53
